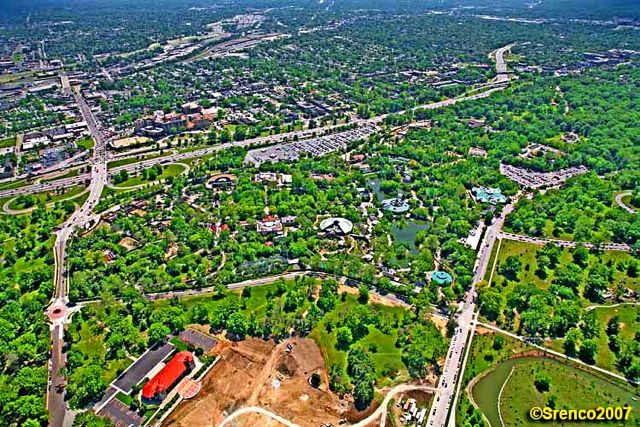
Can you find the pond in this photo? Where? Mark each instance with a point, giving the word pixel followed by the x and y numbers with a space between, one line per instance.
pixel 573 388
pixel 374 184
pixel 407 232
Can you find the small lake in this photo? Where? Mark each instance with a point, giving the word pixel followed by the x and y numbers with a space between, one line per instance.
pixel 374 185
pixel 408 232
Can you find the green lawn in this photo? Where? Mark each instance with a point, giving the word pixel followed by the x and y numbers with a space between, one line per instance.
pixel 69 174
pixel 485 356
pixel 48 197
pixel 91 344
pixel 86 143
pixel 526 252
pixel 9 185
pixel 8 142
pixel 388 358
pixel 629 325
pixel 572 388
pixel 167 172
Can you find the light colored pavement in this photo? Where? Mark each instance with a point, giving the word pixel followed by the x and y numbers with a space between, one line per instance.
pixel 501 64
pixel 621 304
pixel 381 411
pixel 565 243
pixel 57 312
pixel 456 360
pixel 249 143
pixel 81 217
pixel 621 203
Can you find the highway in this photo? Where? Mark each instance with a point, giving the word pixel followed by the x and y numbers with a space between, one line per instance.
pixel 57 311
pixel 249 143
pixel 443 407
pixel 501 64
pixel 97 179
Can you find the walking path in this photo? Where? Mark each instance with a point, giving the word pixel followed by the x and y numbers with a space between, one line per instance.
pixel 556 353
pixel 565 243
pixel 622 204
pixel 381 411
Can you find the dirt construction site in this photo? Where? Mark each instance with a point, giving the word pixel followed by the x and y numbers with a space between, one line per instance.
pixel 262 373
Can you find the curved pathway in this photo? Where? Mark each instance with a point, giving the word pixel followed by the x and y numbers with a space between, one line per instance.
pixel 621 203
pixel 380 411
pixel 7 209
pixel 504 384
pixel 620 304
pixel 565 243
pixel 557 353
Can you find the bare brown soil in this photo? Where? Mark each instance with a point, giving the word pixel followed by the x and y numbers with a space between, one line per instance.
pixel 260 373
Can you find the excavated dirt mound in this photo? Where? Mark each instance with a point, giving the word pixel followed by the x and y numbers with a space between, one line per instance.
pixel 256 372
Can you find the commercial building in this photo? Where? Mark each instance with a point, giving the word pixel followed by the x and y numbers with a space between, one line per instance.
pixel 156 388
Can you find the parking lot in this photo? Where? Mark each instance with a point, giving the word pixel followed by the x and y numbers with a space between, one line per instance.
pixel 142 366
pixel 316 147
pixel 120 414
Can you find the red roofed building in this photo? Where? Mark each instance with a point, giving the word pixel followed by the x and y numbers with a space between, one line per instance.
pixel 157 387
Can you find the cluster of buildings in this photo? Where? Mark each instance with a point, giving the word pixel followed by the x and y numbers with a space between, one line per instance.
pixel 56 135
pixel 411 412
pixel 192 117
pixel 274 225
pixel 536 180
pixel 316 147
pixel 488 195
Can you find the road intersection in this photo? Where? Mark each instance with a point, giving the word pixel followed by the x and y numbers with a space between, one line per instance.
pixel 59 311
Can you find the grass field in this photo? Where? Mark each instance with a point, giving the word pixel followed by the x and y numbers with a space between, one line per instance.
pixel 8 142
pixel 629 325
pixel 86 143
pixel 485 356
pixel 48 197
pixel 70 174
pixel 388 358
pixel 571 388
pixel 526 252
pixel 13 184
pixel 167 172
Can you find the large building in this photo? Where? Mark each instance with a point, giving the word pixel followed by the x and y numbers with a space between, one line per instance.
pixel 336 226
pixel 156 388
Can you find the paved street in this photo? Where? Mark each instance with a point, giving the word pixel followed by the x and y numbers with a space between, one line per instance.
pixel 454 364
pixel 249 143
pixel 57 312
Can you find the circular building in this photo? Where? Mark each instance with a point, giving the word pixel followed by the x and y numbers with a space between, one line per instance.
pixel 336 226
pixel 221 180
pixel 396 205
pixel 442 278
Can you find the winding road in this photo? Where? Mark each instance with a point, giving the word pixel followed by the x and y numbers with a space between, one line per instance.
pixel 622 204
pixel 381 411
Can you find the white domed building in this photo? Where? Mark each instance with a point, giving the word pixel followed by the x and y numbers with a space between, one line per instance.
pixel 336 226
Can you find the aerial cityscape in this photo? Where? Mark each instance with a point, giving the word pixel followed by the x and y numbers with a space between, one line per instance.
pixel 327 213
